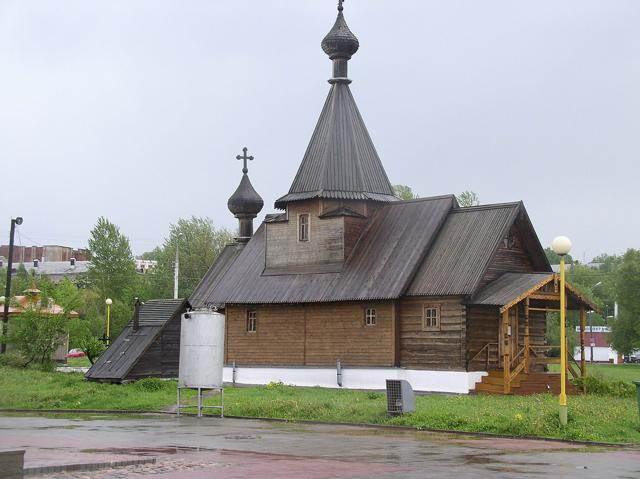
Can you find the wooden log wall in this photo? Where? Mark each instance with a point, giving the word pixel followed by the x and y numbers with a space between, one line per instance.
pixel 325 245
pixel 150 363
pixel 161 359
pixel 443 349
pixel 511 258
pixel 482 328
pixel 311 335
pixel 170 340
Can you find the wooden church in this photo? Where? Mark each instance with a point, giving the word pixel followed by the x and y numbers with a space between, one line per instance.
pixel 348 285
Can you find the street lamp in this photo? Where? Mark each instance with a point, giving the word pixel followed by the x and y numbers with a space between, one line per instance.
pixel 108 302
pixel 561 245
pixel 5 316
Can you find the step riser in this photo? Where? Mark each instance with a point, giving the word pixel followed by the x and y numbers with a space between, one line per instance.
pixel 524 384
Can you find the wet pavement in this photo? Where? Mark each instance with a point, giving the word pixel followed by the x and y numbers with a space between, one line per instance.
pixel 191 448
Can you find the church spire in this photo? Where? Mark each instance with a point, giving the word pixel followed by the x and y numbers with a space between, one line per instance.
pixel 341 161
pixel 340 44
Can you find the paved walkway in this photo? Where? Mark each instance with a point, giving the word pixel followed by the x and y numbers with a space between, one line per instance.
pixel 189 448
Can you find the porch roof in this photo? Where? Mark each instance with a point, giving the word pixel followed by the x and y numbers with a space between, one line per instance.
pixel 511 288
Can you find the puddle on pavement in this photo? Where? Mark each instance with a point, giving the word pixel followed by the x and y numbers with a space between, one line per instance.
pixel 148 451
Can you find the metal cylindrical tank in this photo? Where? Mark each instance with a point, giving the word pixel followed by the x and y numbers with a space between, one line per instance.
pixel 201 349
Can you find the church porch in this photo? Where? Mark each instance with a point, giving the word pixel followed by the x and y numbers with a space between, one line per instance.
pixel 510 314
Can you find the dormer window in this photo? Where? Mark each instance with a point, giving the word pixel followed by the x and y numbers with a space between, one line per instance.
pixel 303 227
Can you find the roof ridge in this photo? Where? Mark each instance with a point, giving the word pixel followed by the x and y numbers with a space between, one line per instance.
pixel 490 206
pixel 426 198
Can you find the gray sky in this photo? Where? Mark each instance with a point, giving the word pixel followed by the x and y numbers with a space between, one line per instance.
pixel 135 110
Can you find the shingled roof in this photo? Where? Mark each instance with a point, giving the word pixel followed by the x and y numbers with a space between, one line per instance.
pixel 380 267
pixel 459 257
pixel 426 247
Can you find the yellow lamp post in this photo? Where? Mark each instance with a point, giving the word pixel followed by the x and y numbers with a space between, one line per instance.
pixel 561 245
pixel 108 302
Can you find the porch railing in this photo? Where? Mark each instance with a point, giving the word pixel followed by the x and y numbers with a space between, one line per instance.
pixel 485 355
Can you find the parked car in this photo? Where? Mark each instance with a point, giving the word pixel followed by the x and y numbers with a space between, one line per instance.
pixel 76 353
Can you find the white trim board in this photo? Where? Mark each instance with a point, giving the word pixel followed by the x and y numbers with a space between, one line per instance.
pixel 460 382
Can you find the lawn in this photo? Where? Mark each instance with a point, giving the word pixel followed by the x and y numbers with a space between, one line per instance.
pixel 615 372
pixel 607 419
pixel 78 362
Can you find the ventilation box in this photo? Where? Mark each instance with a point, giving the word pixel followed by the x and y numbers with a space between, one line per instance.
pixel 400 397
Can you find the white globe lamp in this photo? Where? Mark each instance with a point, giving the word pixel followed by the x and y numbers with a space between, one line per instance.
pixel 561 245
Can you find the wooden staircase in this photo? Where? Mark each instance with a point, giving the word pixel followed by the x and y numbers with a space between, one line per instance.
pixel 523 384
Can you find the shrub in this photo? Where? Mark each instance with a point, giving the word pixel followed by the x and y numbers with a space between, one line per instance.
pixel 37 335
pixel 14 360
pixel 92 347
pixel 603 387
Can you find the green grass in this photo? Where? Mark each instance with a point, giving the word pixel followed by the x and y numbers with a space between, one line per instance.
pixel 612 372
pixel 78 362
pixel 607 419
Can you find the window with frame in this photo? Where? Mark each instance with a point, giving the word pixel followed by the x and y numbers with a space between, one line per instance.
pixel 252 321
pixel 303 227
pixel 431 318
pixel 370 317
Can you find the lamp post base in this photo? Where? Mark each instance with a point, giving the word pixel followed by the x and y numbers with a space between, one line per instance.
pixel 563 415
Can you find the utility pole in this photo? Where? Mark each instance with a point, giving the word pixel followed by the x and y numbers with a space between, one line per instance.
pixel 7 295
pixel 176 272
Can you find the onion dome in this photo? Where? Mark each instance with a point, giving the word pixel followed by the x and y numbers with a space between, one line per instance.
pixel 245 201
pixel 340 42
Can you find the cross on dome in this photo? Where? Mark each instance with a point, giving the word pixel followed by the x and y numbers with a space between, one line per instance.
pixel 244 159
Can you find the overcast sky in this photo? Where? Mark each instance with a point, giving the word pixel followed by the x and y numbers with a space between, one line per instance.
pixel 135 110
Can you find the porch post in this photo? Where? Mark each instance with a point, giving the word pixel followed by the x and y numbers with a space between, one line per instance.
pixel 526 336
pixel 583 361
pixel 506 358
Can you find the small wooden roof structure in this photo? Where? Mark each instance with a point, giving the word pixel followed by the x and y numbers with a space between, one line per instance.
pixel 512 288
pixel 31 300
pixel 115 364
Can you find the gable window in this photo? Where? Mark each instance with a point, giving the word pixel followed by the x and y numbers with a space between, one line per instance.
pixel 431 318
pixel 370 317
pixel 303 227
pixel 252 321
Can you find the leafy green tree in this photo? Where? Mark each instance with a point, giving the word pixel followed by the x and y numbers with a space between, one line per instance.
pixel 554 258
pixel 37 335
pixel 152 255
pixel 199 243
pixel 625 329
pixel 66 294
pixel 468 198
pixel 404 192
pixel 21 280
pixel 112 271
pixel 92 347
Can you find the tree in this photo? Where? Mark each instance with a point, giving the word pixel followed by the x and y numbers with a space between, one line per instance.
pixel 37 334
pixel 199 242
pixel 66 294
pixel 625 329
pixel 468 198
pixel 404 192
pixel 152 255
pixel 112 271
pixel 554 258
